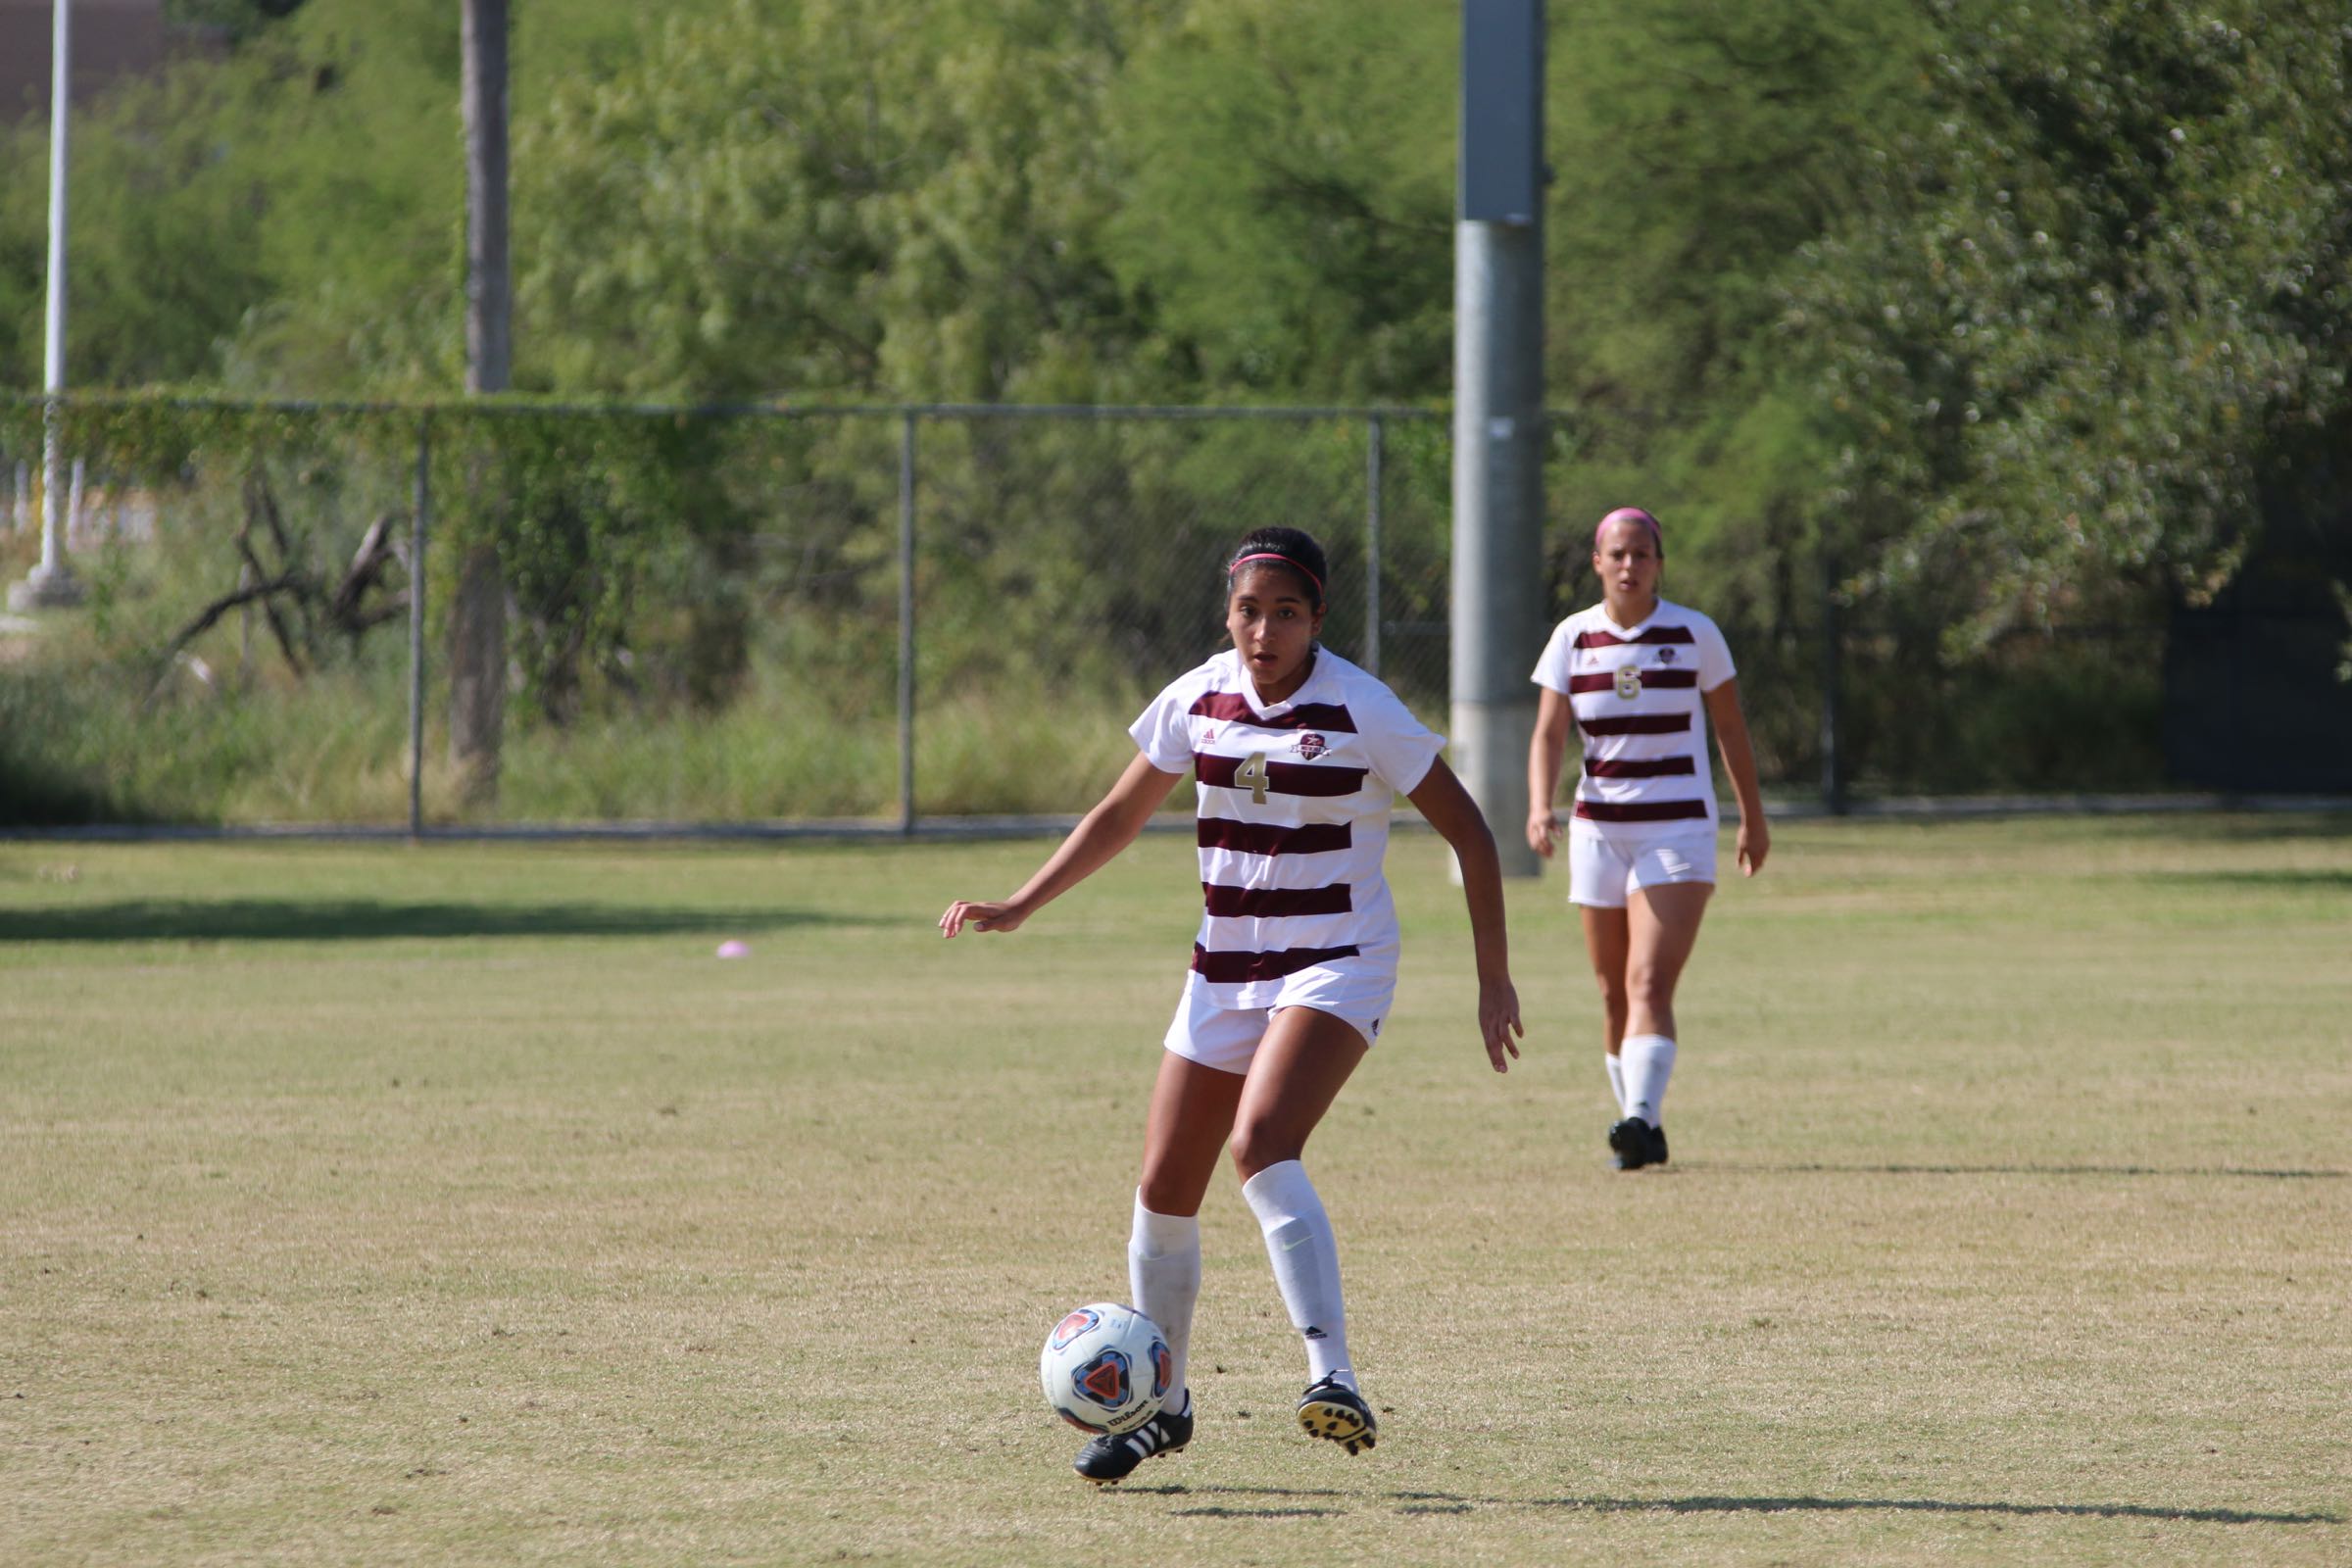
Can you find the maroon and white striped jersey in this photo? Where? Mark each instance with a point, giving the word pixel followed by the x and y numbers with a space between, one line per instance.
pixel 1294 818
pixel 1635 693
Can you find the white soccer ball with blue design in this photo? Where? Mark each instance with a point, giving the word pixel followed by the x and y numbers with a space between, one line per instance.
pixel 1105 1368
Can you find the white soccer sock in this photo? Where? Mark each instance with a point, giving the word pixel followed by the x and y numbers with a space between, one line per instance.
pixel 1648 1062
pixel 1306 1264
pixel 1616 1079
pixel 1163 1269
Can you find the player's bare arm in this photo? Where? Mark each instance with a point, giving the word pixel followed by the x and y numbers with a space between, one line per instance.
pixel 1554 718
pixel 1739 764
pixel 1448 807
pixel 1100 835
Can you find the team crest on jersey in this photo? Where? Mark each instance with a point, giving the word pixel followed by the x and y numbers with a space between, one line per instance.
pixel 1312 745
pixel 1665 656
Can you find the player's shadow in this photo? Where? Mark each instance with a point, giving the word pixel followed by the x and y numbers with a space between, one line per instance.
pixel 2272 881
pixel 2250 829
pixel 371 920
pixel 2071 1510
pixel 1444 1502
pixel 1224 1511
pixel 1219 1511
pixel 1815 1168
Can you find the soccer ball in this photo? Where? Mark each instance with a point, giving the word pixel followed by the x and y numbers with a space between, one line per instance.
pixel 1105 1368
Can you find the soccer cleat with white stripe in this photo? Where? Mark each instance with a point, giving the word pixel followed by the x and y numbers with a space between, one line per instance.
pixel 1332 1411
pixel 1108 1458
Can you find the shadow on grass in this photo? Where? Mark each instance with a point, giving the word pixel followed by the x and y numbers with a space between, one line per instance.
pixel 2278 881
pixel 1177 1489
pixel 1444 1502
pixel 1214 1513
pixel 1216 1510
pixel 2321 1174
pixel 371 920
pixel 2236 827
pixel 2063 1510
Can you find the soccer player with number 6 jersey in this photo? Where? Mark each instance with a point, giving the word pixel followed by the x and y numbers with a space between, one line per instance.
pixel 1297 756
pixel 1638 678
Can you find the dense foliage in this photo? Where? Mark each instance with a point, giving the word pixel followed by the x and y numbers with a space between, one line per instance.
pixel 2002 320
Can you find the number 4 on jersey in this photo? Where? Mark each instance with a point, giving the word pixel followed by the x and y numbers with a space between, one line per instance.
pixel 1252 776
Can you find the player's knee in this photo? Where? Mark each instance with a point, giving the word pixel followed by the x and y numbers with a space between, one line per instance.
pixel 1650 986
pixel 1163 1194
pixel 1169 1183
pixel 1258 1144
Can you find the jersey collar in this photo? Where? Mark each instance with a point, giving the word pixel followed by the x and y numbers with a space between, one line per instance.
pixel 1316 676
pixel 1629 633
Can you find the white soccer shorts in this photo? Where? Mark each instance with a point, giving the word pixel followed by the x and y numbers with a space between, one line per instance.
pixel 1603 870
pixel 1226 1038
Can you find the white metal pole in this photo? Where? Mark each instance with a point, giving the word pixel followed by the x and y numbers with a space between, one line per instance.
pixel 1497 606
pixel 51 581
pixel 53 352
pixel 418 525
pixel 906 621
pixel 1497 600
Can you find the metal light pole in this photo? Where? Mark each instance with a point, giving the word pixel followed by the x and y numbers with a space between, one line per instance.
pixel 1498 612
pixel 489 274
pixel 477 667
pixel 52 583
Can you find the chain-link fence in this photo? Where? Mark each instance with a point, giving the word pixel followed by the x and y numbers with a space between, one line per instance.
pixel 774 616
pixel 711 615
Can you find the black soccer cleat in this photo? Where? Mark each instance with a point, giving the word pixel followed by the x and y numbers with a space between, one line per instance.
pixel 1332 1411
pixel 1108 1458
pixel 1635 1143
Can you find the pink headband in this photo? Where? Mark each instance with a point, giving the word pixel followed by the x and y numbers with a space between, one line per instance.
pixel 1632 515
pixel 1268 555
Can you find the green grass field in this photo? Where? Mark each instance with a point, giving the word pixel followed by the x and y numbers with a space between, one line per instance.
pixel 456 1204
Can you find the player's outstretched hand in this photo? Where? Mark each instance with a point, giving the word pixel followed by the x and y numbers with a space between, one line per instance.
pixel 1498 1021
pixel 980 916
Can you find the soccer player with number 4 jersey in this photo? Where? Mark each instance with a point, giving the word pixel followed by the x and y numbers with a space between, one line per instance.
pixel 1638 678
pixel 1297 756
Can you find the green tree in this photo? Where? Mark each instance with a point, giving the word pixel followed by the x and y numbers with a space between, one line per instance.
pixel 163 262
pixel 351 124
pixel 1287 220
pixel 2092 306
pixel 1698 150
pixel 287 219
pixel 829 198
pixel 232 21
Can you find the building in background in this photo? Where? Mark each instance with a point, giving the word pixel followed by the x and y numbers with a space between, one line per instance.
pixel 111 38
